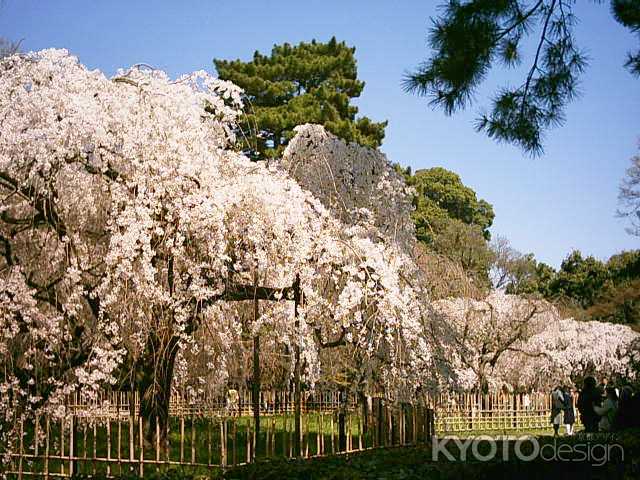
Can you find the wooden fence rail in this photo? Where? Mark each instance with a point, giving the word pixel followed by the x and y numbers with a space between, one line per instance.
pixel 469 412
pixel 107 436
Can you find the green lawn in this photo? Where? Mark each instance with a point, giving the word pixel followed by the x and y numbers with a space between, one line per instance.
pixel 199 442
pixel 190 440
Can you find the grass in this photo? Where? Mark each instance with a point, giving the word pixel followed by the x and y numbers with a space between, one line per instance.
pixel 199 441
pixel 190 440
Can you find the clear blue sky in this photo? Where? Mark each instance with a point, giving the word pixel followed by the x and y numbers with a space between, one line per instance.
pixel 565 200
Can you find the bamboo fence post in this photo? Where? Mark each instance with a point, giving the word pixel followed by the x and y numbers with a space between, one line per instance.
pixel 333 447
pixel 414 424
pixel 208 420
pixel 84 445
pixel 383 424
pixel 274 438
pixel 248 442
pixel 46 449
pixel 157 446
pixel 167 442
pixel 223 442
pixel 181 438
pixel 108 445
pixel 141 442
pixel 93 461
pixel 21 450
pixel 193 439
pixel 267 439
pixel 234 440
pixel 72 445
pixel 305 435
pixel 388 425
pixel 36 430
pixel 288 434
pixel 119 440
pixel 267 436
pixel 131 446
pixel 321 447
pixel 318 433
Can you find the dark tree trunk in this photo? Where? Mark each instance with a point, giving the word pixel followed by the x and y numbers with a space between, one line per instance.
pixel 366 414
pixel 154 378
pixel 342 434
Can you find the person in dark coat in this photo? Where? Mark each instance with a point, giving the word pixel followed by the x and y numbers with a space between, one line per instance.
pixel 569 412
pixel 589 396
pixel 557 407
pixel 634 420
pixel 624 416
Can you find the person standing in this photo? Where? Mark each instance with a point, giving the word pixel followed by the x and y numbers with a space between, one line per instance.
pixel 569 412
pixel 233 398
pixel 602 388
pixel 557 405
pixel 608 410
pixel 624 415
pixel 589 396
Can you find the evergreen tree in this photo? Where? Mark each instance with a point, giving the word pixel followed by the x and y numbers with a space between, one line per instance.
pixel 450 220
pixel 471 36
pixel 306 83
pixel 441 196
pixel 584 287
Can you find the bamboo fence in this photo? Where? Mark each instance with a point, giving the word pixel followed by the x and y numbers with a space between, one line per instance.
pixel 108 436
pixel 468 412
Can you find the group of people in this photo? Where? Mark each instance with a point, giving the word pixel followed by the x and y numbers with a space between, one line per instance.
pixel 562 410
pixel 603 408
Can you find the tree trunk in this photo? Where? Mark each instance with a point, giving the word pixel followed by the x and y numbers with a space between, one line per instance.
pixel 342 434
pixel 154 375
pixel 297 374
pixel 366 414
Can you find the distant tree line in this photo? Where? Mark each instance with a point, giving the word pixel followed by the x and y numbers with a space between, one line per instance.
pixel 583 287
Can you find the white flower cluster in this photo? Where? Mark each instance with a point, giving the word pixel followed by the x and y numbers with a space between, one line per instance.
pixel 569 350
pixel 127 216
pixel 514 342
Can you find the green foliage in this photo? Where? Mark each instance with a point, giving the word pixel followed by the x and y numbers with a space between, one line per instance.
pixel 465 245
pixel 619 300
pixel 450 220
pixel 470 37
pixel 441 196
pixel 306 83
pixel 580 279
pixel 627 12
pixel 589 288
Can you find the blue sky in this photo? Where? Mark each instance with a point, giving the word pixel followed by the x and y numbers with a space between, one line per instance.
pixel 550 205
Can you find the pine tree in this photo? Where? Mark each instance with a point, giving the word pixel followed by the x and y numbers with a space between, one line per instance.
pixel 307 83
pixel 471 37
